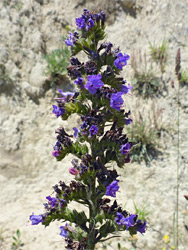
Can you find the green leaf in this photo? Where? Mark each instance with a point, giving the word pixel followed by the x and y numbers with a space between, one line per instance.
pixel 18 233
pixel 107 228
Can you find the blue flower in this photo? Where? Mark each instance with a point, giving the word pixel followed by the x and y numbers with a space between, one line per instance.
pixel 112 189
pixel 93 83
pixel 121 60
pixel 90 24
pixel 130 221
pixel 93 130
pixel 119 219
pixel 125 89
pixel 58 146
pixel 72 39
pixel 52 201
pixel 35 219
pixel 76 131
pixel 64 231
pixel 141 227
pixel 79 81
pixel 62 202
pixel 56 153
pixel 84 125
pixel 128 121
pixel 80 22
pixel 125 148
pixel 58 111
pixel 116 101
pixel 65 94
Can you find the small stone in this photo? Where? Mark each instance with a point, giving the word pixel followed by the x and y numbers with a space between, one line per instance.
pixel 33 92
pixel 3 55
pixel 37 77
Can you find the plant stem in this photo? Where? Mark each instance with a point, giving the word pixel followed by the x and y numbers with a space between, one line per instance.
pixel 92 214
pixel 177 173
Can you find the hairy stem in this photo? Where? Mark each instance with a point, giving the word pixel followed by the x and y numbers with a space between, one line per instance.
pixel 92 215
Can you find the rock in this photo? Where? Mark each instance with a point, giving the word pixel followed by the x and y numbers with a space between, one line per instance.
pixel 11 134
pixel 42 1
pixel 4 55
pixel 128 4
pixel 2 178
pixel 33 92
pixel 37 77
pixel 12 70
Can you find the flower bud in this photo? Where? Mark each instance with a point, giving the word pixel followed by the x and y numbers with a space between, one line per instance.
pixel 73 171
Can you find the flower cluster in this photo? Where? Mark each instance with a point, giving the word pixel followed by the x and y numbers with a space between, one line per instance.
pixel 98 139
pixel 72 39
pixel 130 221
pixel 66 97
pixel 88 20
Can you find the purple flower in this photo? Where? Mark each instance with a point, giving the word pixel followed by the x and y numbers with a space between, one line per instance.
pixel 62 202
pixel 93 83
pixel 128 121
pixel 79 81
pixel 52 201
pixel 84 125
pixel 90 24
pixel 76 131
pixel 116 101
pixel 75 61
pixel 58 146
pixel 119 219
pixel 112 189
pixel 125 148
pixel 130 221
pixel 80 22
pixel 93 130
pixel 71 40
pixel 141 227
pixel 64 231
pixel 56 153
pixel 121 60
pixel 35 219
pixel 103 17
pixel 73 171
pixel 127 160
pixel 58 111
pixel 125 89
pixel 65 94
pixel 83 169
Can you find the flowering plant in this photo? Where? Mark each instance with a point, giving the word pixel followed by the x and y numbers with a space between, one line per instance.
pixel 99 103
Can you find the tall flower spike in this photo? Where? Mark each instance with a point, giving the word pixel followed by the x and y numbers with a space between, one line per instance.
pixel 97 103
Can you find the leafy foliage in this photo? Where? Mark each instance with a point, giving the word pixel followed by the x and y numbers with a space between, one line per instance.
pixel 142 212
pixel 57 63
pixel 145 82
pixel 184 76
pixel 17 243
pixel 145 132
pixel 160 54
